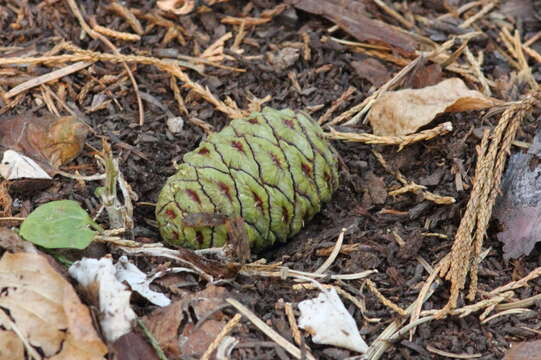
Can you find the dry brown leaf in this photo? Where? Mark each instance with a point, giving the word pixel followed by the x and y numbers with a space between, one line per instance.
pixel 50 140
pixel 372 70
pixel 426 75
pixel 518 208
pixel 45 309
pixel 405 111
pixel 11 347
pixel 194 338
pixel 11 241
pixel 133 346
pixel 351 16
pixel 520 9
pixel 530 350
pixel 163 324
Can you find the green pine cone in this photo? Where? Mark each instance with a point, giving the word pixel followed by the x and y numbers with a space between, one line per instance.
pixel 274 169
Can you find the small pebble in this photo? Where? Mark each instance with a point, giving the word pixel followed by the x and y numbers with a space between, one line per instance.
pixel 175 124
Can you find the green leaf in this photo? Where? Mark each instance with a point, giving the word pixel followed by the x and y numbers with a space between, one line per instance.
pixel 59 224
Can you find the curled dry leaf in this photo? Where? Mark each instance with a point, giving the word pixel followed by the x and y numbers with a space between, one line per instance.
pixel 50 140
pixel 405 111
pixel 44 308
pixel 139 282
pixel 98 279
pixel 17 166
pixel 328 321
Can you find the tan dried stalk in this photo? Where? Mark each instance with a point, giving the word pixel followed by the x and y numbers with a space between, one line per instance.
pixel 336 103
pixel 401 141
pixel 121 35
pixel 438 199
pixel 492 155
pixel 169 66
pixel 231 324
pixel 411 186
pixel 535 273
pixel 388 303
pixel 95 35
pixel 128 15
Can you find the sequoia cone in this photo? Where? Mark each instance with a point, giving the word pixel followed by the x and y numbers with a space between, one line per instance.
pixel 274 169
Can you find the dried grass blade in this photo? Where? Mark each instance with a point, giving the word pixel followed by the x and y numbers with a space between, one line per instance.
pixel 53 75
pixel 267 330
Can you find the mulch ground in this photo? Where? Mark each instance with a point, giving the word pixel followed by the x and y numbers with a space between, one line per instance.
pixel 374 220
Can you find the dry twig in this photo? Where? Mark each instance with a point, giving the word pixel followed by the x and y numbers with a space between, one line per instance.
pixel 128 15
pixel 295 332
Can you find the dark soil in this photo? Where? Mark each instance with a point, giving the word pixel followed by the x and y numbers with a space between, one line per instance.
pixel 147 153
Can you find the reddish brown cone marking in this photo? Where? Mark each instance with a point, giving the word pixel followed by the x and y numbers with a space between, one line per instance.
pixel 327 178
pixel 285 214
pixel 203 151
pixel 225 190
pixel 193 194
pixel 276 160
pixel 170 214
pixel 258 201
pixel 238 145
pixel 306 169
pixel 289 123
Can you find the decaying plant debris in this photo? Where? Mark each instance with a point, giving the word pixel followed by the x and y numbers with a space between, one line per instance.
pixel 406 242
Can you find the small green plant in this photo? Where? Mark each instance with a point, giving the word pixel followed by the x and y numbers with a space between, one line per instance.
pixel 60 224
